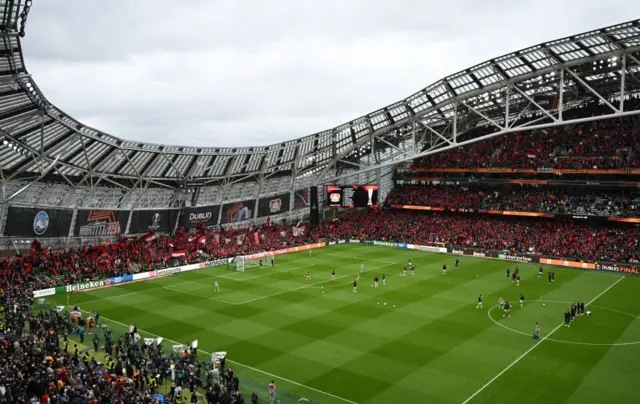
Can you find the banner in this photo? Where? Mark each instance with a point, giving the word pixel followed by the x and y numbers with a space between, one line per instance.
pixel 237 211
pixel 274 205
pixel 144 221
pixel 548 102
pixel 35 222
pixel 301 198
pixel 520 258
pixel 202 215
pixel 90 223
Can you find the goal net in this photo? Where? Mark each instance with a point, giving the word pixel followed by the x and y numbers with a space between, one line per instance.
pixel 255 260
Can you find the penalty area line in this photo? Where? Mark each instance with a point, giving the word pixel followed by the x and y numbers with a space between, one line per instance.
pixel 519 358
pixel 240 364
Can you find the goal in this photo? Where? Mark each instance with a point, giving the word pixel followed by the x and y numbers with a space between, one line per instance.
pixel 253 260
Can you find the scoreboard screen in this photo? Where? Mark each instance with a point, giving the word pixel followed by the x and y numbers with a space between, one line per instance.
pixel 352 196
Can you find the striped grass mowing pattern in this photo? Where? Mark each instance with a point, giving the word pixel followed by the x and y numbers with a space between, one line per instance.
pixel 419 339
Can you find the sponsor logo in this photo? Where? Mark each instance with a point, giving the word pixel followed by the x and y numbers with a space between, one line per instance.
pixel 153 274
pixel 168 271
pixel 40 223
pixel 384 243
pixel 44 292
pixel 479 254
pixel 457 252
pixel 400 245
pixel 275 205
pixel 79 287
pixel 334 197
pixel 354 241
pixel 332 243
pixel 514 258
pixel 342 241
pixel 430 248
pixel 579 217
pixel 216 263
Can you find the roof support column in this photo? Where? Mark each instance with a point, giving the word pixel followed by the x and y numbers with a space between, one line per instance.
pixel 561 96
pixel 623 73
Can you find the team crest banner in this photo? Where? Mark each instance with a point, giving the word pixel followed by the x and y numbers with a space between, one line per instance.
pixel 274 204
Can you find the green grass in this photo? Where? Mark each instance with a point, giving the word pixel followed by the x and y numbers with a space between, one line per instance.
pixel 428 344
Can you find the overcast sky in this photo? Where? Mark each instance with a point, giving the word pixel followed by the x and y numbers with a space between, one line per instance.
pixel 242 73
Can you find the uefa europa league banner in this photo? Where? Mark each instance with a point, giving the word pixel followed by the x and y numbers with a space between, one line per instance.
pixel 38 222
pixel 145 221
pixel 273 205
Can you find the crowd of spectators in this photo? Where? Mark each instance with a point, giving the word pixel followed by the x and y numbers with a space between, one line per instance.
pixel 559 239
pixel 146 252
pixel 564 200
pixel 41 363
pixel 605 144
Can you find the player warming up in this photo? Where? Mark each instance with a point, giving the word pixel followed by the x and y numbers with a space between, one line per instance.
pixel 355 286
pixel 333 275
pixel 216 286
pixel 404 271
pixel 444 270
pixel 501 304
pixel 361 267
pixel 540 270
pixel 384 279
pixel 308 276
pixel 375 282
pixel 479 306
pixel 521 299
pixel 508 272
pixel 507 309
pixel 457 262
pixel 413 270
pixel 536 332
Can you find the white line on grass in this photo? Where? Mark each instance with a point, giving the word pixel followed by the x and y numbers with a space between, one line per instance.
pixel 518 359
pixel 240 364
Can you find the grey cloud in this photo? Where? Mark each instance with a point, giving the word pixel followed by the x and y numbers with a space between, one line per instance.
pixel 226 73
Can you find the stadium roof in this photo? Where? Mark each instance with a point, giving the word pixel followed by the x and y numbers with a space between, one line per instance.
pixel 40 141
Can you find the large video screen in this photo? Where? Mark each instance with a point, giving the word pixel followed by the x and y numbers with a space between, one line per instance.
pixel 352 196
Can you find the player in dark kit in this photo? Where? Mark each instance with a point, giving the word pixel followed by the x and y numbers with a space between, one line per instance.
pixel 514 274
pixel 444 269
pixel 479 306
pixel 507 309
pixel 375 281
pixel 553 276
pixel 333 274
pixel 457 262
pixel 521 299
pixel 549 276
pixel 384 279
pixel 573 311
pixel 540 270
pixel 581 306
pixel 355 286
pixel 508 272
pixel 567 318
pixel 273 262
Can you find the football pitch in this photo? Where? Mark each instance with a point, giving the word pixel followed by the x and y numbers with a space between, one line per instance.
pixel 419 339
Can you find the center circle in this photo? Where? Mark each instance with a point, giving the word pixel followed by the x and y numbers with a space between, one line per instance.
pixel 566 341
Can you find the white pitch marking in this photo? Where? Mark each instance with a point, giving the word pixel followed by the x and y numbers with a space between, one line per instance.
pixel 518 359
pixel 241 364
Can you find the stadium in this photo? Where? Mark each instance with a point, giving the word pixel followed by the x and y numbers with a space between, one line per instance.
pixel 362 264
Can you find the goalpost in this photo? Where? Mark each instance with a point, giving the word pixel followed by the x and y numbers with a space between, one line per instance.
pixel 254 260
